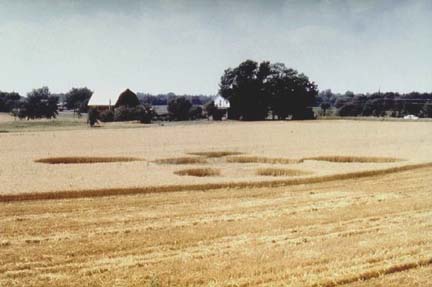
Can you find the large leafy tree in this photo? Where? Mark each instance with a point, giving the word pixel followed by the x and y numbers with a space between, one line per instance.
pixel 292 94
pixel 255 89
pixel 39 104
pixel 244 88
pixel 78 98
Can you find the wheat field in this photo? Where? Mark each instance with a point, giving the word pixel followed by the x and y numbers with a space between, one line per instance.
pixel 348 203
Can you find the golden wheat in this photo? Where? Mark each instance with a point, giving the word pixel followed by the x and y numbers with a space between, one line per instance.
pixel 374 273
pixel 280 172
pixel 68 194
pixel 350 222
pixel 270 140
pixel 362 231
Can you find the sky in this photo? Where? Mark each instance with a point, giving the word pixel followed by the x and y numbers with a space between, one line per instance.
pixel 183 46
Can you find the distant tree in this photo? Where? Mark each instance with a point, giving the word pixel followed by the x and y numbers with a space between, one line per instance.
pixel 179 108
pixel 39 104
pixel 163 99
pixel 349 110
pixel 243 87
pixel 9 101
pixel 144 114
pixel 195 113
pixel 292 93
pixel 77 99
pixel 341 101
pixel 427 109
pixel 92 117
pixel 373 107
pixel 349 94
pixel 105 116
pixel 255 89
pixel 377 104
pixel 324 107
pixel 123 113
pixel 214 112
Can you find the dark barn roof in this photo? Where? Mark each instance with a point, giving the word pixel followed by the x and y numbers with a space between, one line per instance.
pixel 127 98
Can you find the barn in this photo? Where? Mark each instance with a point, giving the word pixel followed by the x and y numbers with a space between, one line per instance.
pixel 103 101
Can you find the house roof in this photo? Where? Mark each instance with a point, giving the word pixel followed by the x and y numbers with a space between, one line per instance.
pixel 105 99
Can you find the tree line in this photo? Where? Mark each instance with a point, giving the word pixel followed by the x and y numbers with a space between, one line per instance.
pixel 165 99
pixel 256 91
pixel 377 104
pixel 41 103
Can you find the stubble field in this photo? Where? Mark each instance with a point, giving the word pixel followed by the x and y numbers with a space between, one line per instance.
pixel 324 203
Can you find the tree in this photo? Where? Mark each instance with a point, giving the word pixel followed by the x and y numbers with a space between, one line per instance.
pixel 324 107
pixel 144 114
pixel 123 113
pixel 9 101
pixel 77 99
pixel 427 110
pixel 179 108
pixel 377 104
pixel 292 93
pixel 195 113
pixel 243 87
pixel 253 90
pixel 39 104
pixel 214 112
pixel 105 115
pixel 350 109
pixel 92 117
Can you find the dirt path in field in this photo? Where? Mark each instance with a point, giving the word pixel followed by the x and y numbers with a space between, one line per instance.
pixel 373 230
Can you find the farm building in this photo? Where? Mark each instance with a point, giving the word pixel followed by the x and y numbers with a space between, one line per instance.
pixel 221 106
pixel 221 103
pixel 106 101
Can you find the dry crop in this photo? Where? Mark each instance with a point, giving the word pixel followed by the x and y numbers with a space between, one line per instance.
pixel 361 232
pixel 201 172
pixel 360 159
pixel 181 160
pixel 348 223
pixel 257 159
pixel 103 192
pixel 215 154
pixel 280 172
pixel 81 160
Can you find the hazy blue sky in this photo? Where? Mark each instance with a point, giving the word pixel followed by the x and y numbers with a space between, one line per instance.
pixel 184 46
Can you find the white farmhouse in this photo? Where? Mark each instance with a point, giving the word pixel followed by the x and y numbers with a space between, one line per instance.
pixel 221 106
pixel 221 103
